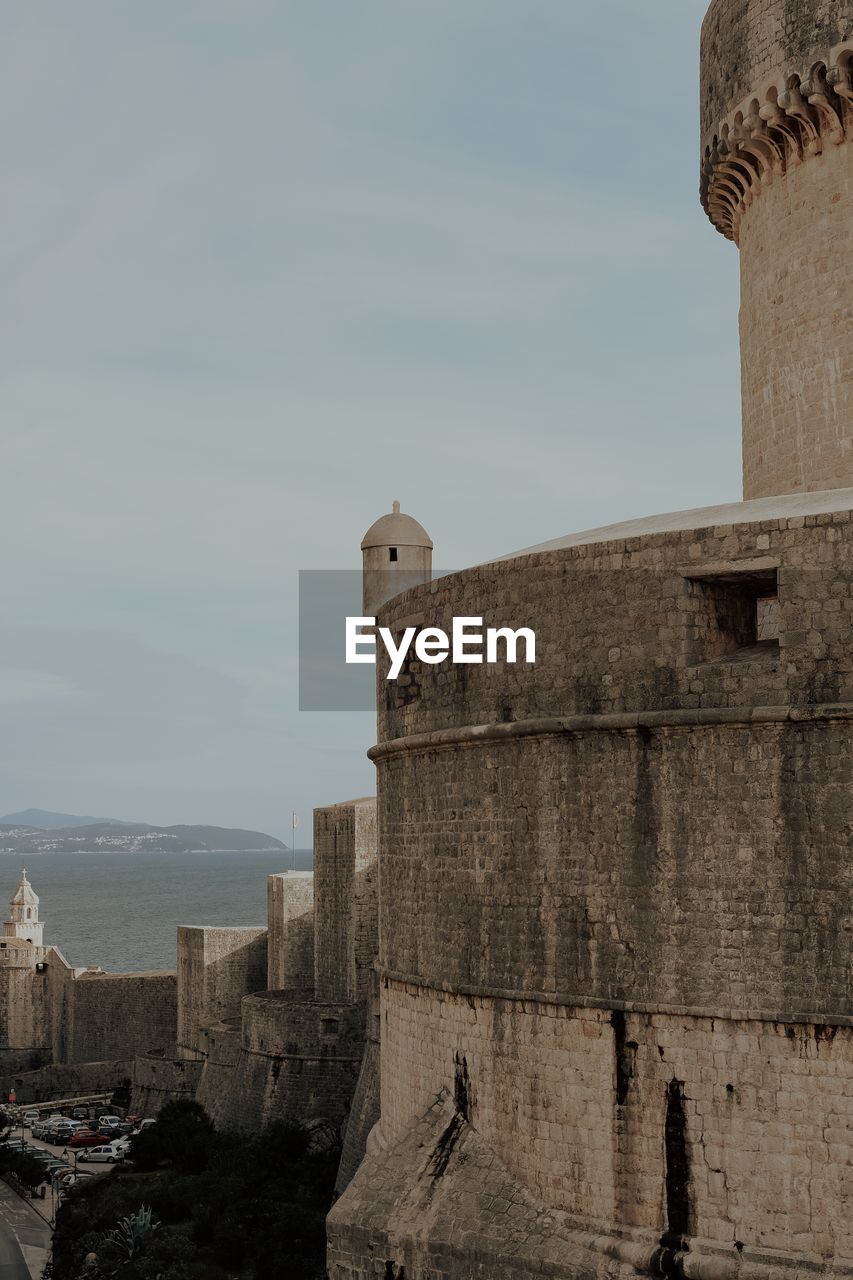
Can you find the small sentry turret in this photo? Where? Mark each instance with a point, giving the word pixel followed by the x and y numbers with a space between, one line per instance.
pixel 396 555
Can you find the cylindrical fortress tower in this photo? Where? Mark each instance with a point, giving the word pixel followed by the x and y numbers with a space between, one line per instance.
pixel 777 178
pixel 615 886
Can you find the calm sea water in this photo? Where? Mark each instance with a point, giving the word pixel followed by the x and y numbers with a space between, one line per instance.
pixel 122 910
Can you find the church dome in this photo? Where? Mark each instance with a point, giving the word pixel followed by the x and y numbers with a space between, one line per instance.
pixel 396 529
pixel 25 895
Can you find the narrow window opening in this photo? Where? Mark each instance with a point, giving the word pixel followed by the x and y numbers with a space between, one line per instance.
pixel 392 553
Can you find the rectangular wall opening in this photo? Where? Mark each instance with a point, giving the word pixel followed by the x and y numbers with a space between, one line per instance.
pixel 737 618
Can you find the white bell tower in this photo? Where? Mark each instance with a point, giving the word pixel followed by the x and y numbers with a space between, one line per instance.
pixel 23 919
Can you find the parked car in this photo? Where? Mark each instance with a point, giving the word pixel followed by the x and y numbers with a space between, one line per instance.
pixel 86 1138
pixel 64 1133
pixel 80 1113
pixel 109 1120
pixel 30 1118
pixel 145 1124
pixel 15 1144
pixel 106 1154
pixel 97 1112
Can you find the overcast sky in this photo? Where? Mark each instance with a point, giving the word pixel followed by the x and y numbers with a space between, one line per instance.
pixel 268 266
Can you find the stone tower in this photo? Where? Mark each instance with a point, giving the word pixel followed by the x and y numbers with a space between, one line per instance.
pixel 615 888
pixel 396 555
pixel 777 178
pixel 23 919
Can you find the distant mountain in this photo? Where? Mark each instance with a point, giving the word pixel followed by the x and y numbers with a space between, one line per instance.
pixel 19 836
pixel 48 821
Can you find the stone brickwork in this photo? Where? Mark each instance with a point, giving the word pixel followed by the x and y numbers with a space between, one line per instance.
pixel 295 1053
pixel 290 926
pixel 777 177
pixel 216 967
pixel 364 1112
pixel 64 1080
pixel 219 1067
pixel 345 899
pixel 615 914
pixel 160 1077
pixel 298 1061
pixel 116 1015
pixel 748 45
pixel 798 396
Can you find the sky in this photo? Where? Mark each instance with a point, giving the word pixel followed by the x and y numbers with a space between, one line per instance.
pixel 267 266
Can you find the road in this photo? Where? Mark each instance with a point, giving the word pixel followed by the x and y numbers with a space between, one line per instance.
pixel 24 1238
pixel 12 1263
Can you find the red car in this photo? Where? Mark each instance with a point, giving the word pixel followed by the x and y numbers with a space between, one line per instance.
pixel 86 1138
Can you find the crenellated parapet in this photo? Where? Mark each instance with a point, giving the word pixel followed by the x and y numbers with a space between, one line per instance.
pixel 794 118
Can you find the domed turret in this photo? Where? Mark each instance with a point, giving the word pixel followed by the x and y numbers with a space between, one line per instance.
pixel 23 919
pixel 396 555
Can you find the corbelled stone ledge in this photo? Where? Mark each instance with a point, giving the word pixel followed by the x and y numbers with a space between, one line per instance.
pixel 614 722
pixel 781 126
pixel 574 1000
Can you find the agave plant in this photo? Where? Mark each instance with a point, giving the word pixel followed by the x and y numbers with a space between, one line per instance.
pixel 130 1234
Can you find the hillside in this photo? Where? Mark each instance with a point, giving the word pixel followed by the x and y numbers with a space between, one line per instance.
pixel 46 820
pixel 16 836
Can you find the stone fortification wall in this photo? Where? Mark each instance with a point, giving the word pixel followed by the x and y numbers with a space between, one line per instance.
pixel 345 899
pixel 118 1015
pixel 659 623
pixel 290 925
pixel 66 1080
pixel 590 1108
pixel 218 1068
pixel 615 906
pixel 364 1111
pixel 294 1053
pixel 592 863
pixel 298 1061
pixel 162 1077
pixel 216 968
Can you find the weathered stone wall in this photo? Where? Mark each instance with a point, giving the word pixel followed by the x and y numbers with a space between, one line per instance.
pixel 298 1061
pixel 363 1115
pixel 548 888
pixel 117 1015
pixel 798 396
pixel 290 925
pixel 575 1103
pixel 750 44
pixel 219 1067
pixel 638 624
pixel 216 968
pixel 615 914
pixel 65 1080
pixel 777 177
pixel 162 1077
pixel 345 899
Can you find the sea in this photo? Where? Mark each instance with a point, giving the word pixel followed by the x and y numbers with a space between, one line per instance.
pixel 122 910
